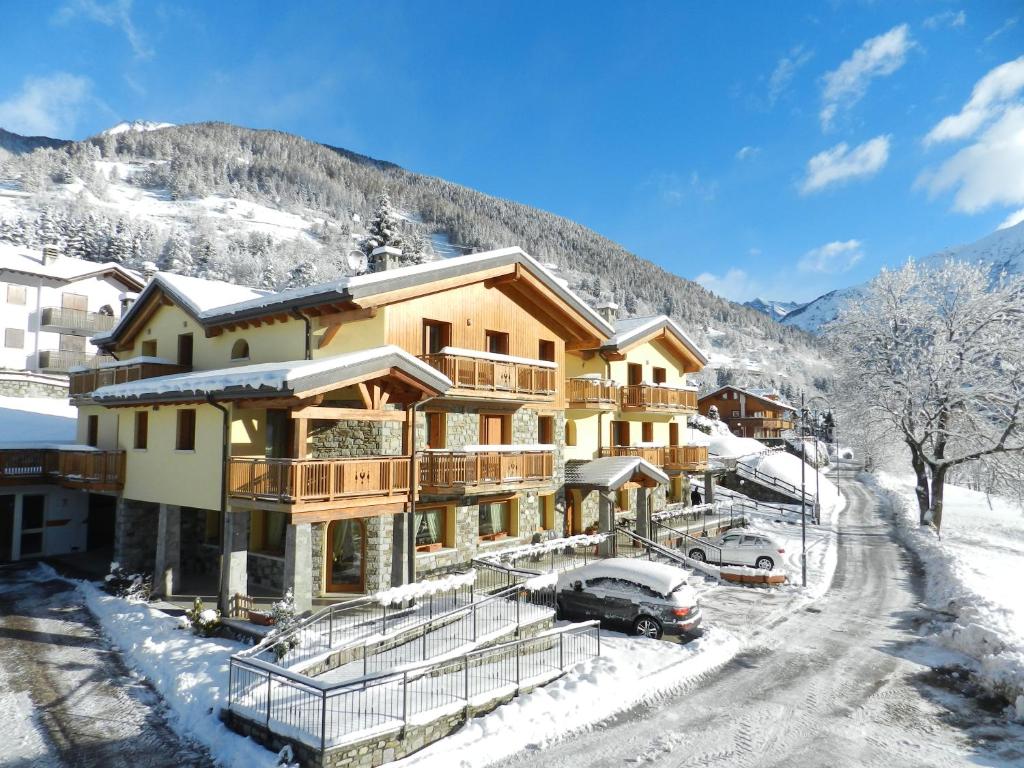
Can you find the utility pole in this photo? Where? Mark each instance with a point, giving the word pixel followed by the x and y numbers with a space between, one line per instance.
pixel 817 473
pixel 803 493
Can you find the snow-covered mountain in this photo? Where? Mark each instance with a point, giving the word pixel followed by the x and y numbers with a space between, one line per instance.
pixel 16 144
pixel 1004 249
pixel 774 309
pixel 135 126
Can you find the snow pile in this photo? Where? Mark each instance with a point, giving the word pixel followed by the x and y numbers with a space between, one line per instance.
pixel 727 445
pixel 973 572
pixel 24 739
pixel 787 468
pixel 26 421
pixel 418 590
pixel 629 672
pixel 544 581
pixel 543 547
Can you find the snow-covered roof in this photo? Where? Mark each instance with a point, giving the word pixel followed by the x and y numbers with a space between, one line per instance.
pixel 35 422
pixel 629 329
pixel 611 472
pixel 661 577
pixel 758 394
pixel 15 260
pixel 287 377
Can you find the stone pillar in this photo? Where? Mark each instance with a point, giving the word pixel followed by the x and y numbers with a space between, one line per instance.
pixel 298 565
pixel 643 513
pixel 399 557
pixel 234 576
pixel 606 522
pixel 709 488
pixel 167 572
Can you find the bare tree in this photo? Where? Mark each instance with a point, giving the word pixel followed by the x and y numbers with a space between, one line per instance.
pixel 936 356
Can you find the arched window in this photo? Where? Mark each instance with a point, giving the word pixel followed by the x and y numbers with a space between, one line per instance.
pixel 570 433
pixel 240 350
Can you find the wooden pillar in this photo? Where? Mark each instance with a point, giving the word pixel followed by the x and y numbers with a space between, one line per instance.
pixel 300 433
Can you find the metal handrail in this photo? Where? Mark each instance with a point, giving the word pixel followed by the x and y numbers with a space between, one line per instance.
pixel 751 473
pixel 693 539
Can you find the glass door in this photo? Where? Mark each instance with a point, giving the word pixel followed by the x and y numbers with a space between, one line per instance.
pixel 346 556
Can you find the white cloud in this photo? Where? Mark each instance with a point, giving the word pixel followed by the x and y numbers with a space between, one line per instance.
pixel 46 106
pixel 748 153
pixel 1006 26
pixel 784 71
pixel 837 256
pixel 878 57
pixel 991 95
pixel 117 13
pixel 952 19
pixel 735 284
pixel 1012 220
pixel 841 163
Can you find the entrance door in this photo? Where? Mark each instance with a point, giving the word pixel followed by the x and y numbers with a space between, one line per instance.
pixel 493 429
pixel 673 433
pixel 346 556
pixel 33 515
pixel 6 527
pixel 635 373
pixel 100 527
pixel 571 507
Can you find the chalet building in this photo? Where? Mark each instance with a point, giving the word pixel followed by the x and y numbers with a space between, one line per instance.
pixel 356 434
pixel 757 413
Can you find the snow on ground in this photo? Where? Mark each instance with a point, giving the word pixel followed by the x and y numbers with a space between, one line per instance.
pixel 630 671
pixel 974 572
pixel 23 739
pixel 29 420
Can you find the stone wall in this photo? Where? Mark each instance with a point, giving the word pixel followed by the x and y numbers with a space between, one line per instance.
pixel 17 384
pixel 379 532
pixel 197 558
pixel 267 571
pixel 135 532
pixel 347 438
pixel 318 543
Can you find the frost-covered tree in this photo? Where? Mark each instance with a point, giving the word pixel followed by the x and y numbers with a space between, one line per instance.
pixel 934 357
pixel 384 227
pixel 303 274
pixel 268 276
pixel 177 255
pixel 119 248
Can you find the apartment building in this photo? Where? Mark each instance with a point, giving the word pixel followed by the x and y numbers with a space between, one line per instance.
pixel 757 413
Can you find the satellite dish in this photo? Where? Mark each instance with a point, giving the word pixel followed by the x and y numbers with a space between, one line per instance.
pixel 356 261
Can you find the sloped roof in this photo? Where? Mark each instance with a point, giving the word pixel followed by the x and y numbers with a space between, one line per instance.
pixel 754 393
pixel 631 329
pixel 15 260
pixel 611 472
pixel 285 378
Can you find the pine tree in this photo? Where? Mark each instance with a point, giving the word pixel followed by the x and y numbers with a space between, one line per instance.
pixel 119 247
pixel 303 274
pixel 177 255
pixel 631 305
pixel 75 246
pixel 415 248
pixel 384 226
pixel 268 276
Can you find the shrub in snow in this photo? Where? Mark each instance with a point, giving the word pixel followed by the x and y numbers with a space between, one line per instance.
pixel 283 614
pixel 204 621
pixel 131 586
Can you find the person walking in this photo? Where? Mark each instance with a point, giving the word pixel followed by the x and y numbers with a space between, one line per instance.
pixel 695 499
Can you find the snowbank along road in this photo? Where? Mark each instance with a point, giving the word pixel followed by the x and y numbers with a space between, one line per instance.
pixel 846 682
pixel 77 703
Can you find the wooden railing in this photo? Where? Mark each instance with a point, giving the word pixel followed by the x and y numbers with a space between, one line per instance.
pixel 643 396
pixel 652 455
pixel 298 481
pixel 686 457
pixel 481 375
pixel 61 361
pixel 592 393
pixel 84 382
pixel 83 468
pixel 465 469
pixel 88 323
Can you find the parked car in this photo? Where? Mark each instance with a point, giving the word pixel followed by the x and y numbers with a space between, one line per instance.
pixel 738 548
pixel 646 598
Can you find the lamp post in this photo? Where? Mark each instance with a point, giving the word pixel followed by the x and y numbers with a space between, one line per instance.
pixel 803 493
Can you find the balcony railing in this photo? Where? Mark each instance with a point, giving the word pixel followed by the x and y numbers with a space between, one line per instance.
pixel 75 321
pixel 652 454
pixel 592 393
pixel 62 361
pixel 468 469
pixel 73 468
pixel 691 458
pixel 480 374
pixel 301 481
pixel 647 396
pixel 84 382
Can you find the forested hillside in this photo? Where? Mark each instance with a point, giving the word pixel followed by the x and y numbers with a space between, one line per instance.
pixel 268 208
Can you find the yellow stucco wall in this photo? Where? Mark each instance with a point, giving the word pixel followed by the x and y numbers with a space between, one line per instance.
pixel 107 433
pixel 650 355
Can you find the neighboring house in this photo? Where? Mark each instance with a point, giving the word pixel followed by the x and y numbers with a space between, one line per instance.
pixel 356 434
pixel 51 304
pixel 757 413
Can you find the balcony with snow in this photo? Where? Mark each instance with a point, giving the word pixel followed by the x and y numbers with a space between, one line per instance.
pixel 477 375
pixel 478 468
pixel 85 379
pixel 592 392
pixel 653 397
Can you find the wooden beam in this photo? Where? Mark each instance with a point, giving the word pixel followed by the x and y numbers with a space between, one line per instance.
pixel 347 316
pixel 329 334
pixel 353 414
pixel 365 396
pixel 300 431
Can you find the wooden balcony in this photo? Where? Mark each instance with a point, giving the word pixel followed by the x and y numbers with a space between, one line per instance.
pixel 592 394
pixel 483 378
pixel 75 321
pixel 87 469
pixel 686 458
pixel 84 382
pixel 651 454
pixel 646 397
pixel 442 471
pixel 303 482
pixel 62 361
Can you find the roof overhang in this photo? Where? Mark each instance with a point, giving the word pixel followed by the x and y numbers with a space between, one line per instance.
pixel 610 473
pixel 661 329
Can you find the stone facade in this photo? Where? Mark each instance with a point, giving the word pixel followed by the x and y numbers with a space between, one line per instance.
pixel 266 571
pixel 135 532
pixel 16 384
pixel 197 557
pixel 350 438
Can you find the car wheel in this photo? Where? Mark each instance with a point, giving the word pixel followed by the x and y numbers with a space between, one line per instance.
pixel 697 554
pixel 764 563
pixel 645 626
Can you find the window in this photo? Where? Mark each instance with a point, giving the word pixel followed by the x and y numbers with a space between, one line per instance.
pixel 496 519
pixel 149 348
pixel 496 342
pixel 437 429
pixel 546 350
pixel 69 343
pixel 185 350
pixel 546 430
pixel 240 350
pixel 432 526
pixel 647 432
pixel 14 338
pixel 495 429
pixel 620 433
pixel 673 433
pixel 570 433
pixel 141 430
pixel 16 294
pixel 211 528
pixel 547 511
pixel 75 301
pixel 659 376
pixel 185 439
pixel 92 431
pixel 436 336
pixel 267 535
pixel 735 413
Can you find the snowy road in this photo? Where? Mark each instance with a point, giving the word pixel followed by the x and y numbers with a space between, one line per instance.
pixel 65 696
pixel 845 683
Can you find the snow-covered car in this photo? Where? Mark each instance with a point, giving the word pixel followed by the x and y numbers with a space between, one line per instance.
pixel 738 548
pixel 649 599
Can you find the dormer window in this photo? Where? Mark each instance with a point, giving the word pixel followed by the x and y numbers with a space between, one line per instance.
pixel 240 350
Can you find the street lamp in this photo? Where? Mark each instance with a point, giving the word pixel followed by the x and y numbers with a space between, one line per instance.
pixel 803 493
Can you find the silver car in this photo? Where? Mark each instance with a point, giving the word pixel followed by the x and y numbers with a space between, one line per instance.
pixel 754 550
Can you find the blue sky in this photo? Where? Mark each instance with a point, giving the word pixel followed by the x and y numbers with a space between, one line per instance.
pixel 775 149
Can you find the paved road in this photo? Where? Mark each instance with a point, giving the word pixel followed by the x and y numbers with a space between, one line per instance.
pixel 839 685
pixel 89 710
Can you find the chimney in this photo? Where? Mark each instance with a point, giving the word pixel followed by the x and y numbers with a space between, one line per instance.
pixel 385 257
pixel 50 254
pixel 127 299
pixel 148 270
pixel 608 310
